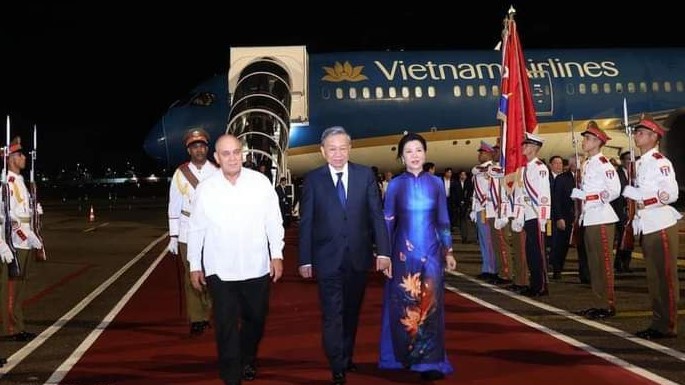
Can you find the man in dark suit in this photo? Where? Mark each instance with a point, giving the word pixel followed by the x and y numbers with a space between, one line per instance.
pixel 341 219
pixel 562 219
pixel 623 256
pixel 463 191
pixel 284 201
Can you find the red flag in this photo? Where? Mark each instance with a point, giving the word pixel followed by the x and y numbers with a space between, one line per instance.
pixel 516 109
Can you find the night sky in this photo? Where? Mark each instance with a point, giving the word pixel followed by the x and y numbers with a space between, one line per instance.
pixel 95 77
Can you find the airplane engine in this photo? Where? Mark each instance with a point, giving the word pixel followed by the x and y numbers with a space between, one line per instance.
pixel 265 90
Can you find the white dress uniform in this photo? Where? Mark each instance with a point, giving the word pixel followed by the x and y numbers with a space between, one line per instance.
pixel 657 188
pixel 534 195
pixel 20 211
pixel 181 194
pixel 600 186
pixel 482 191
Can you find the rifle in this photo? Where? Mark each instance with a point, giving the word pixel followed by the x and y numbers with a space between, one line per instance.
pixel 36 224
pixel 14 270
pixel 577 203
pixel 628 238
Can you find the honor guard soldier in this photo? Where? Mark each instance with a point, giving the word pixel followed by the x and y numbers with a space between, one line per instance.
pixel 482 208
pixel 533 200
pixel 657 221
pixel 498 223
pixel 599 186
pixel 24 241
pixel 183 185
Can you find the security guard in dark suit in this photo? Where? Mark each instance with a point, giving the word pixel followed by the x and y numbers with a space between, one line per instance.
pixel 657 221
pixel 623 256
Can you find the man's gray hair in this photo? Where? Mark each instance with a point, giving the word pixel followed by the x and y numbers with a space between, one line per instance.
pixel 335 130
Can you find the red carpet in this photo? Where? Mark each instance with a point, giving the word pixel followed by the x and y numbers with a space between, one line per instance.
pixel 148 343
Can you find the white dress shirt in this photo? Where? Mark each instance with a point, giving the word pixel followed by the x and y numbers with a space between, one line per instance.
pixel 334 176
pixel 235 228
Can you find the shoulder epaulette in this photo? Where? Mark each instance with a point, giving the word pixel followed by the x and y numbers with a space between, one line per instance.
pixel 603 159
pixel 539 162
pixel 10 179
pixel 657 155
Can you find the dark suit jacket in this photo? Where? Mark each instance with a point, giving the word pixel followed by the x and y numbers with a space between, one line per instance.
pixel 462 196
pixel 619 204
pixel 332 236
pixel 562 204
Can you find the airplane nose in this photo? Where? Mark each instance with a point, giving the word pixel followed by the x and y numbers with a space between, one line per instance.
pixel 155 144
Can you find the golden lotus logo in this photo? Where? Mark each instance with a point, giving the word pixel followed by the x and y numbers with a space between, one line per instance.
pixel 344 72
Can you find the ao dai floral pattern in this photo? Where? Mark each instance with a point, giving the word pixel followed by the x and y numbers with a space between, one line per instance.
pixel 412 334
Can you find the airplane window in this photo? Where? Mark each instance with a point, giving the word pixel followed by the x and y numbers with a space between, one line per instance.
pixel 679 86
pixel 643 87
pixel 631 88
pixel 594 88
pixel 339 93
pixel 379 92
pixel 405 92
pixel 667 87
pixel 655 86
pixel 619 88
pixel 482 90
pixel 366 93
pixel 607 88
pixel 495 90
pixel 353 93
pixel 204 99
pixel 418 92
pixel 469 91
pixel 457 91
pixel 570 89
pixel 582 88
pixel 431 92
pixel 392 92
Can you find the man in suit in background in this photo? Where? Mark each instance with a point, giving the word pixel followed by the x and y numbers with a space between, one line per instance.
pixel 463 191
pixel 284 201
pixel 623 256
pixel 341 217
pixel 562 218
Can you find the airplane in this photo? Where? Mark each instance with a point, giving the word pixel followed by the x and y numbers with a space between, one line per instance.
pixel 285 98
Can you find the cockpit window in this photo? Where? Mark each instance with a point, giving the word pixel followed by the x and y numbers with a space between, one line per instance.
pixel 204 99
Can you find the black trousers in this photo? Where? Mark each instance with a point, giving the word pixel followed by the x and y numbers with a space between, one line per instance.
pixel 240 310
pixel 341 297
pixel 559 247
pixel 537 265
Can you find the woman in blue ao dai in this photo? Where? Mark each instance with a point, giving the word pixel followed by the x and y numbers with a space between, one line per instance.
pixel 413 320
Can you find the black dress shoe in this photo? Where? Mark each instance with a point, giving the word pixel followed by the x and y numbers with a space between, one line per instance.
pixel 601 313
pixel 587 311
pixel 351 367
pixel 432 375
pixel 653 334
pixel 249 372
pixel 197 328
pixel 338 378
pixel 3 361
pixel 532 293
pixel 22 336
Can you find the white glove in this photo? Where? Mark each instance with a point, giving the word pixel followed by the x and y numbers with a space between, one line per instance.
pixel 633 193
pixel 472 215
pixel 578 194
pixel 517 225
pixel 173 245
pixel 543 225
pixel 33 240
pixel 637 226
pixel 39 209
pixel 5 253
pixel 500 223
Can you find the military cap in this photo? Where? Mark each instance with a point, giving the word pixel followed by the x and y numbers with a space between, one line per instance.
pixel 533 139
pixel 647 122
pixel 594 130
pixel 15 145
pixel 196 135
pixel 485 147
